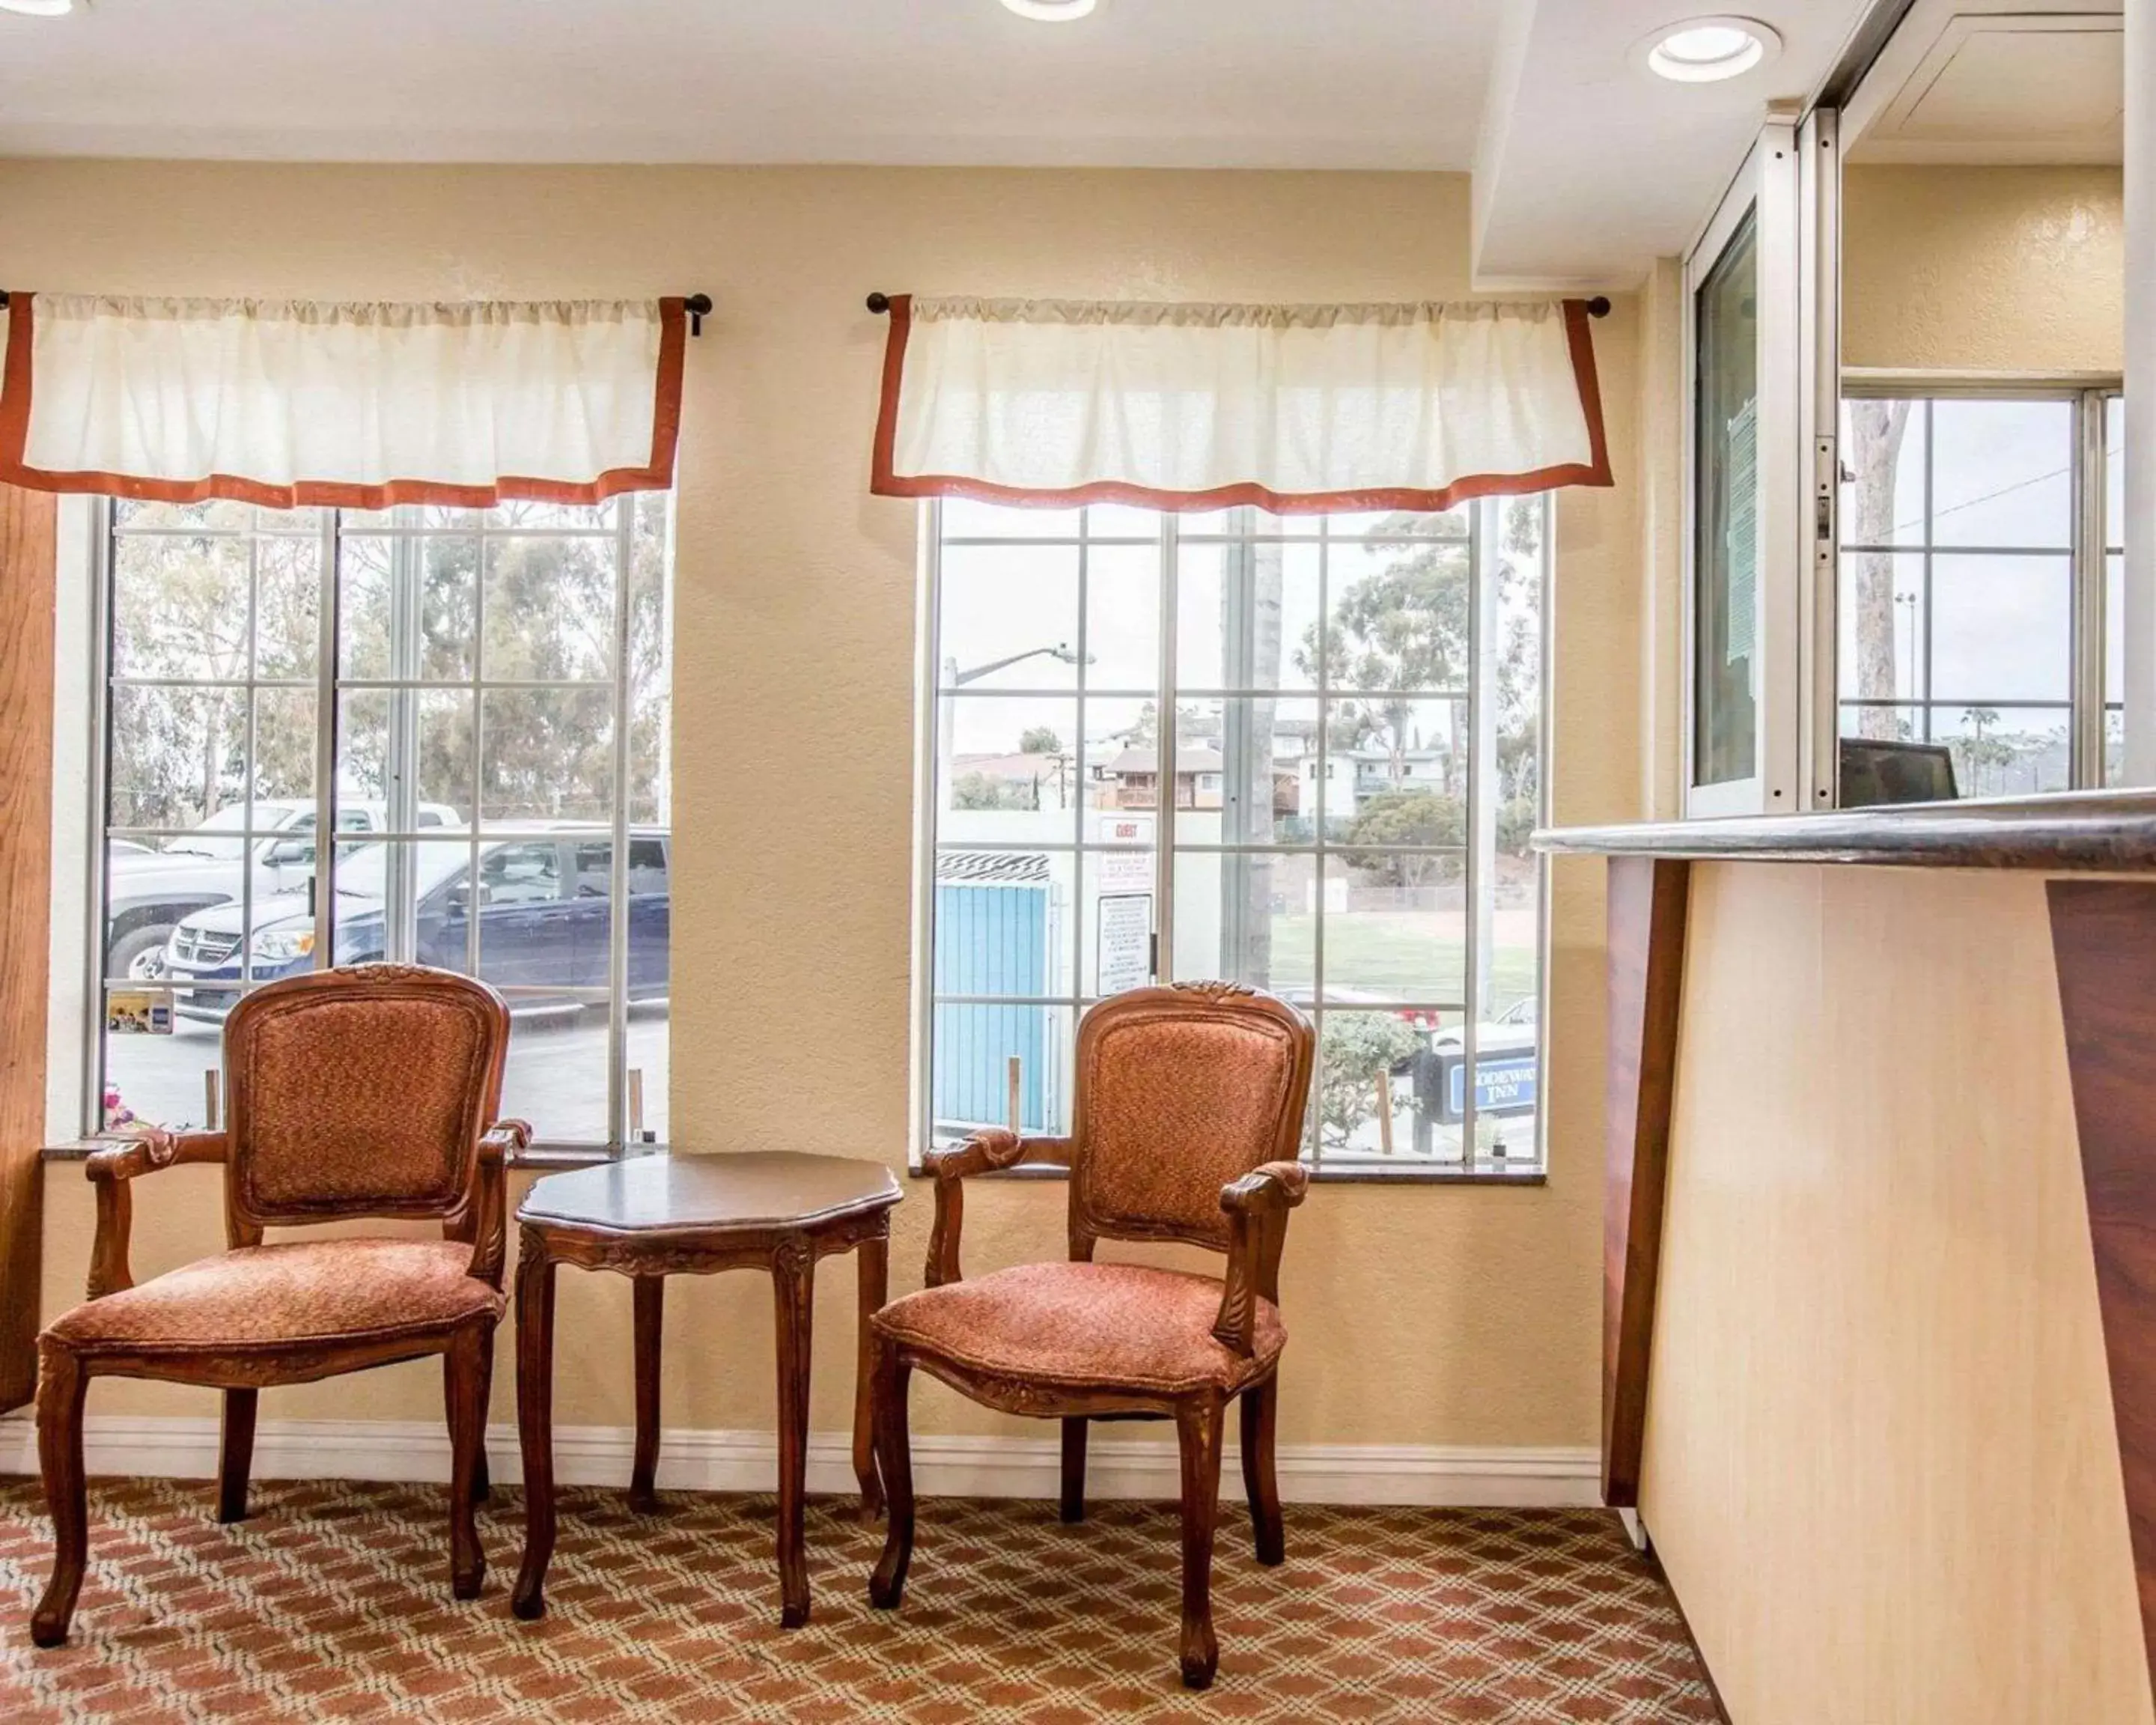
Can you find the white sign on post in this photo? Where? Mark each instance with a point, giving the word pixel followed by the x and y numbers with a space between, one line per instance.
pixel 1124 960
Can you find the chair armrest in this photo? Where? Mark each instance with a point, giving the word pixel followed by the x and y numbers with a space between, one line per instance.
pixel 110 1170
pixel 489 1223
pixel 1256 1206
pixel 984 1153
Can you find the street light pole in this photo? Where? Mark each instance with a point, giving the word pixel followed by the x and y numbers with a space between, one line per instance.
pixel 953 678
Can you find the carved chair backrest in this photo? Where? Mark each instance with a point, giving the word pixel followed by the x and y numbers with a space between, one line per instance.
pixel 359 1092
pixel 1180 1090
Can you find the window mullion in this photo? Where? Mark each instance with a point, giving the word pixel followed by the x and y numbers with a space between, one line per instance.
pixel 617 866
pixel 2089 649
pixel 1165 700
pixel 327 652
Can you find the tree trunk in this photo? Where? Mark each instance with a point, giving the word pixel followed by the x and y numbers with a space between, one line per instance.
pixel 1876 429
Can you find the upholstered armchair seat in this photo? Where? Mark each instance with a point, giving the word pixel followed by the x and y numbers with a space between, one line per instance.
pixel 287 1296
pixel 1080 1326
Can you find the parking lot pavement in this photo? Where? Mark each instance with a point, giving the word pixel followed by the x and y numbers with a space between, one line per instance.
pixel 557 1076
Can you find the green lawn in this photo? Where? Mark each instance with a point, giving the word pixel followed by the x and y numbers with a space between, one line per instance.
pixel 1415 955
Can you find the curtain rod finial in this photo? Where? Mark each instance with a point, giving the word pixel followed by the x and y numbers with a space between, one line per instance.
pixel 699 307
pixel 1598 306
pixel 878 303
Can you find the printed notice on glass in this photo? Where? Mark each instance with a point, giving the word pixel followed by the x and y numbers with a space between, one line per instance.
pixel 1743 538
pixel 1125 956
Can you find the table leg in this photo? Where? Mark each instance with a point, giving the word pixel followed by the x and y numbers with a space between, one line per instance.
pixel 534 1419
pixel 874 1267
pixel 793 1286
pixel 650 1311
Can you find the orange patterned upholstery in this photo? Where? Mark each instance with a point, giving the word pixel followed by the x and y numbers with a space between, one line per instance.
pixel 289 1294
pixel 365 1099
pixel 1097 1325
pixel 1173 1107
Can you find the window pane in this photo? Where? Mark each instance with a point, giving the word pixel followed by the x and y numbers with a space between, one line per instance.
pixel 550 602
pixel 1246 615
pixel 1395 927
pixel 977 1049
pixel 441 760
pixel 1882 453
pixel 180 606
pixel 1399 618
pixel 2002 472
pixel 1122 617
pixel 1248 917
pixel 160 1080
pixel 429 584
pixel 1881 617
pixel 288 596
pixel 1114 943
pixel 1369 1067
pixel 964 519
pixel 1002 922
pixel 651 666
pixel 2004 751
pixel 546 754
pixel 1009 617
pixel 2001 628
pixel 2114 472
pixel 1727 549
pixel 1007 768
pixel 178 756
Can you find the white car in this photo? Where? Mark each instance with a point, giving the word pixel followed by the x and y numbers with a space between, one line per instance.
pixel 147 891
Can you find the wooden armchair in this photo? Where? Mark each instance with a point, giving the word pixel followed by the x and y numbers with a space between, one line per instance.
pixel 1188 1119
pixel 369 1091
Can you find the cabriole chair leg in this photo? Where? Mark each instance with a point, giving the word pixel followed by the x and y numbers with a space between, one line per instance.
pixel 1197 1429
pixel 895 1462
pixel 1260 1482
pixel 467 1441
pixel 61 1385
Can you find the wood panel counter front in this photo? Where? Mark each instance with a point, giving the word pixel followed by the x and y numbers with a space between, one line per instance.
pixel 1880 1263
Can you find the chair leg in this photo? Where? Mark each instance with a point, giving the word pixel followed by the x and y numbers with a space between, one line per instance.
pixel 61 1385
pixel 482 1477
pixel 1073 1506
pixel 463 1370
pixel 1260 1482
pixel 235 1454
pixel 1197 1429
pixel 895 1462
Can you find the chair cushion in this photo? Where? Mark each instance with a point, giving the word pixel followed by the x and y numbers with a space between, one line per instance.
pixel 1110 1326
pixel 271 1297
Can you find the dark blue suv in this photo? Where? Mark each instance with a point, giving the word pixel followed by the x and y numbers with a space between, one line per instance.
pixel 541 902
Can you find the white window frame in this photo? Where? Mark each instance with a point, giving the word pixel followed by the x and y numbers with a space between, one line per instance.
pixel 2088 553
pixel 624 1090
pixel 1767 187
pixel 1167 691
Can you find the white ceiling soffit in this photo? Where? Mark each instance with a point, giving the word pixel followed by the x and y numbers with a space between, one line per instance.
pixel 1587 168
pixel 1315 84
pixel 1994 82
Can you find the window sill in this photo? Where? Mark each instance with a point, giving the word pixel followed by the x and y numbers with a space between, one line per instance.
pixel 1319 1176
pixel 543 1159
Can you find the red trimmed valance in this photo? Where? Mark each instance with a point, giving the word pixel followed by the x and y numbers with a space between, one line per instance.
pixel 1295 409
pixel 285 404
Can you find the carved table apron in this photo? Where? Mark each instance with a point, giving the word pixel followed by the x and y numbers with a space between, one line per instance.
pixel 654 1217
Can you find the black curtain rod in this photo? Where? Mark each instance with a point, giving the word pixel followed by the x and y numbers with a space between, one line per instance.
pixel 1598 306
pixel 697 305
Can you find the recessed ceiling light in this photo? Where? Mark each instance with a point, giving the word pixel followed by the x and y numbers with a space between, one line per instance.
pixel 1705 50
pixel 1051 11
pixel 38 8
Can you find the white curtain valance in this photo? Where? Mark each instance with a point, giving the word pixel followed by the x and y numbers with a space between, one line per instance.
pixel 283 402
pixel 1291 408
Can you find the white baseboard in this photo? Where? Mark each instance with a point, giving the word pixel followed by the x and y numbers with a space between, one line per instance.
pixel 1437 1476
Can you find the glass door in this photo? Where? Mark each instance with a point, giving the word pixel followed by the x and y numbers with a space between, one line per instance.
pixel 1744 485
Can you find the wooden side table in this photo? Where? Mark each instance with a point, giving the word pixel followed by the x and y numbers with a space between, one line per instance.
pixel 690 1215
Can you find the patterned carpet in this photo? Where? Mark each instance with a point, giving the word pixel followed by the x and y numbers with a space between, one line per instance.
pixel 332 1602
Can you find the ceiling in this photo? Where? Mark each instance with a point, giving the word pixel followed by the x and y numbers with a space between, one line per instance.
pixel 1586 168
pixel 1996 82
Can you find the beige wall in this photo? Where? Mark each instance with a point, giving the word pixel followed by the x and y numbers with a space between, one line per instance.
pixel 1422 1315
pixel 1982 269
pixel 1880 1466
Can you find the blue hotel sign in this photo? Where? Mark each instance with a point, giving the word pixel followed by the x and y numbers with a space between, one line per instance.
pixel 1502 1086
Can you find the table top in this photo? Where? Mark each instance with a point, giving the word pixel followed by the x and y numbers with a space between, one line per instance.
pixel 747 1190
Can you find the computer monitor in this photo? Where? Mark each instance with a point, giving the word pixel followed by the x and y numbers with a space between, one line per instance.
pixel 1875 771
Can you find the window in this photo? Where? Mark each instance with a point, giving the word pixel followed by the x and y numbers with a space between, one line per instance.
pixel 1303 753
pixel 476 702
pixel 1978 589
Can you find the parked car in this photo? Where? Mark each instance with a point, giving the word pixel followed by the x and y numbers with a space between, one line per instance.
pixel 149 891
pixel 542 903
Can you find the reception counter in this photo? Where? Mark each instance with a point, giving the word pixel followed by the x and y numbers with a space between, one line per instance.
pixel 1880 1261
